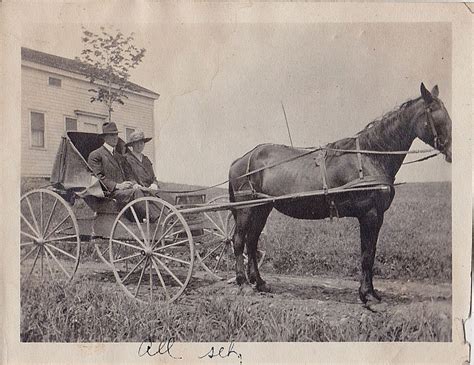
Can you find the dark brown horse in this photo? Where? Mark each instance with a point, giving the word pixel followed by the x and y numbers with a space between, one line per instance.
pixel 424 117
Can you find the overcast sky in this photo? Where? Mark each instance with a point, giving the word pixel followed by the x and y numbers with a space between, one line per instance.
pixel 222 85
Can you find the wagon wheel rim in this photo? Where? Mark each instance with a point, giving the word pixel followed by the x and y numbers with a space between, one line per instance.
pixel 148 262
pixel 216 252
pixel 50 242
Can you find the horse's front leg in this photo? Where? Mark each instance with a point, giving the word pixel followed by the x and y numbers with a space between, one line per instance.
pixel 370 225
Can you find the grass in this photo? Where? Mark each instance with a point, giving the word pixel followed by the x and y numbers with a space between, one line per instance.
pixel 87 312
pixel 414 242
pixel 414 245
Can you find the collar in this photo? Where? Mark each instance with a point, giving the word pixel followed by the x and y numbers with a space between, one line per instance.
pixel 109 148
pixel 139 156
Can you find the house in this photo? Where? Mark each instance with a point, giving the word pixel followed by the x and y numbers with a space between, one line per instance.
pixel 55 99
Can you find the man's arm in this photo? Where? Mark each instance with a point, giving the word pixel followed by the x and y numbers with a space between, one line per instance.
pixel 96 164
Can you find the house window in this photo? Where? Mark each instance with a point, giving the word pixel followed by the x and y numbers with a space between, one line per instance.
pixel 70 124
pixel 54 81
pixel 90 127
pixel 37 129
pixel 128 132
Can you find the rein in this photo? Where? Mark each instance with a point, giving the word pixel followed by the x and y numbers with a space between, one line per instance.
pixel 309 152
pixel 439 148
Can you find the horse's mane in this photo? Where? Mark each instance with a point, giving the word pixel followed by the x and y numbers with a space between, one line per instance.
pixel 375 134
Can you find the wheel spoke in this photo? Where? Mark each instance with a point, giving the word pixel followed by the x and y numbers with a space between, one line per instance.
pixel 141 277
pixel 128 257
pixel 63 229
pixel 58 262
pixel 41 260
pixel 50 216
pixel 158 224
pixel 139 225
pixel 61 238
pixel 127 244
pixel 29 225
pixel 34 262
pixel 26 243
pixel 220 258
pixel 171 258
pixel 171 245
pixel 213 250
pixel 147 217
pixel 214 223
pixel 28 235
pixel 161 278
pixel 131 271
pixel 49 265
pixel 214 233
pixel 32 214
pixel 41 211
pixel 29 253
pixel 62 251
pixel 131 233
pixel 55 228
pixel 169 271
pixel 164 234
pixel 151 283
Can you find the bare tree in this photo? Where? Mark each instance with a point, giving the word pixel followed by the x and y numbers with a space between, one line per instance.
pixel 108 58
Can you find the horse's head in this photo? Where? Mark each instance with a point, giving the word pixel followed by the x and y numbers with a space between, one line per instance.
pixel 433 125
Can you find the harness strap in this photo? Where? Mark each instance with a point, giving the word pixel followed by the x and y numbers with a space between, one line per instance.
pixel 322 166
pixel 359 158
pixel 247 173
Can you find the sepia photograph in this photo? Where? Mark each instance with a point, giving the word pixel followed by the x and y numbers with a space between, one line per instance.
pixel 194 181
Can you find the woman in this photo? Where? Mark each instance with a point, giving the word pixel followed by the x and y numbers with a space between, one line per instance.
pixel 140 164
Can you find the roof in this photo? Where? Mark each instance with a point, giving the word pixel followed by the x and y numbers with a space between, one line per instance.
pixel 67 64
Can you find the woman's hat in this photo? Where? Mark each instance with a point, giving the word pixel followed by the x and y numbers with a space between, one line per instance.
pixel 109 128
pixel 136 137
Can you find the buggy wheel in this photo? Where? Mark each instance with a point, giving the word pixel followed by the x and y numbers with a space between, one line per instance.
pixel 152 253
pixel 216 251
pixel 50 243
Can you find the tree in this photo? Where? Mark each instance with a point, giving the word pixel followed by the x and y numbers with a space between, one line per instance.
pixel 107 59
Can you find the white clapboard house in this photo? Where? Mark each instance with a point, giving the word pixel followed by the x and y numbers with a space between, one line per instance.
pixel 55 99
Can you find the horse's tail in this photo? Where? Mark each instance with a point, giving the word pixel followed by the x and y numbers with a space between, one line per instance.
pixel 231 192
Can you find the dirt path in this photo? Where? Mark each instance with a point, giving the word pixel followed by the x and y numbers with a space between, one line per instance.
pixel 332 298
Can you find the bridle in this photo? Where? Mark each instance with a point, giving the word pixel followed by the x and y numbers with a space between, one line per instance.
pixel 429 123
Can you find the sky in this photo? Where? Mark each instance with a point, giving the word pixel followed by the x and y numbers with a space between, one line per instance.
pixel 222 85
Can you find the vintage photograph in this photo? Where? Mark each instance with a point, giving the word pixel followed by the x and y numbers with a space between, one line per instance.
pixel 236 182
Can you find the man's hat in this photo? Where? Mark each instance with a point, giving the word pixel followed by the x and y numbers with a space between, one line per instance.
pixel 109 128
pixel 136 137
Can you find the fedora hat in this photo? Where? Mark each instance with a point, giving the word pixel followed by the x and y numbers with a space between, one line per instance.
pixel 109 128
pixel 136 137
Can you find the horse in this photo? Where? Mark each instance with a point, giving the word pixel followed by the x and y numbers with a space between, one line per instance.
pixel 372 157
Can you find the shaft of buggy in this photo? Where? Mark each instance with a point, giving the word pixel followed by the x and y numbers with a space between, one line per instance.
pixel 265 199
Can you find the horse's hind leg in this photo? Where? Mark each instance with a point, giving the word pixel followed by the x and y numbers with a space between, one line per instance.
pixel 242 220
pixel 258 219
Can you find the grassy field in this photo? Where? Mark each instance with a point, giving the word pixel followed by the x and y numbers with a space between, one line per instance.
pixel 414 247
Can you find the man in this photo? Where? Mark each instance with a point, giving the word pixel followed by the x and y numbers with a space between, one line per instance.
pixel 115 173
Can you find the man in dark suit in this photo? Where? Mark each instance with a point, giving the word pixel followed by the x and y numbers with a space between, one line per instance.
pixel 116 175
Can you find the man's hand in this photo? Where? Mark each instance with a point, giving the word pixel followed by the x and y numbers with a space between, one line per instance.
pixel 124 185
pixel 154 186
pixel 137 186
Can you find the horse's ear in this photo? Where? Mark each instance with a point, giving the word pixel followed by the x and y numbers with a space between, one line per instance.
pixel 435 91
pixel 425 94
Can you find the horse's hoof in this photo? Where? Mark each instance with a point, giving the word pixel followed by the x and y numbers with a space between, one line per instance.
pixel 263 287
pixel 246 290
pixel 252 278
pixel 241 279
pixel 375 295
